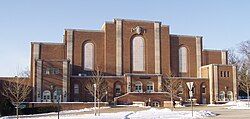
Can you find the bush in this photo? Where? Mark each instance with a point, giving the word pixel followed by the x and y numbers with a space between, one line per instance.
pixel 38 110
pixel 6 108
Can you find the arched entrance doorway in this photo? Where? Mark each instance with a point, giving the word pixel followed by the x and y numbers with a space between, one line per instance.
pixel 203 93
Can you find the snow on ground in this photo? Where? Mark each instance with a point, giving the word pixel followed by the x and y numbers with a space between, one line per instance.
pixel 234 105
pixel 230 103
pixel 152 113
pixel 240 105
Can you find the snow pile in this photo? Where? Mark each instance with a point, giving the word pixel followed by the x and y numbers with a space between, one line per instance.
pixel 154 113
pixel 133 106
pixel 214 105
pixel 240 105
pixel 81 110
pixel 230 103
pixel 151 113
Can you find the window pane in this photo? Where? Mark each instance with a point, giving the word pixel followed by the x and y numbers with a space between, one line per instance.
pixel 89 56
pixel 183 59
pixel 76 88
pixel 138 54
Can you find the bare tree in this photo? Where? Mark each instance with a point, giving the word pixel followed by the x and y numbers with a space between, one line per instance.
pixel 17 91
pixel 244 48
pixel 172 86
pixel 243 66
pixel 97 87
pixel 233 57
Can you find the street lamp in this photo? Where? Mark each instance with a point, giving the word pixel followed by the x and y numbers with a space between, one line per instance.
pixel 95 99
pixel 190 87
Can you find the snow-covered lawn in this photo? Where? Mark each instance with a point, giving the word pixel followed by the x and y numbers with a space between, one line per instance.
pixel 151 113
pixel 234 105
pixel 239 105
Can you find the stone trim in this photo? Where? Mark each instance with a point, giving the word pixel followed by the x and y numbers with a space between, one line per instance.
pixel 39 65
pixel 214 50
pixel 134 20
pixel 36 55
pixel 46 43
pixel 157 48
pixel 84 30
pixel 234 83
pixel 176 35
pixel 198 55
pixel 223 57
pixel 70 45
pixel 65 81
pixel 211 84
pixel 128 78
pixel 159 83
pixel 36 51
pixel 118 47
pixel 216 85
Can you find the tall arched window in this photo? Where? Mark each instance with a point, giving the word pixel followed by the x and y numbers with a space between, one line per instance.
pixel 230 95
pixel 89 56
pixel 138 54
pixel 222 96
pixel 118 89
pixel 56 97
pixel 183 59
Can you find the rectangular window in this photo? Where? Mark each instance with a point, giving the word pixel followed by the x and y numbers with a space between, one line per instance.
pixel 76 89
pixel 228 75
pixel 51 70
pixel 221 73
pixel 225 74
pixel 55 71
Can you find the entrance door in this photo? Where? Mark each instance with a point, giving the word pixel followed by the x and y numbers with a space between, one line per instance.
pixel 203 94
pixel 203 99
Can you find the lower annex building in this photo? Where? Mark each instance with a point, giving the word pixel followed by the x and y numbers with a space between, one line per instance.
pixel 133 56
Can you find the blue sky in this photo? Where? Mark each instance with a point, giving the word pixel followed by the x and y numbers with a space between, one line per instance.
pixel 222 23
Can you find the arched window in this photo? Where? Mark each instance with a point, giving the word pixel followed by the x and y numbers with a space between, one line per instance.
pixel 183 60
pixel 46 96
pixel 88 56
pixel 56 97
pixel 138 86
pixel 117 89
pixel 179 90
pixel 230 95
pixel 222 96
pixel 138 54
pixel 150 87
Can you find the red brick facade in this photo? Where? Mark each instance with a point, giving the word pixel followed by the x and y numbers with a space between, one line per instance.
pixel 61 65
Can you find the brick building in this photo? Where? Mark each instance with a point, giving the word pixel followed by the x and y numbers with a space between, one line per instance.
pixel 133 55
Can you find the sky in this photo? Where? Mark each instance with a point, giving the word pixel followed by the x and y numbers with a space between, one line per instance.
pixel 222 23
